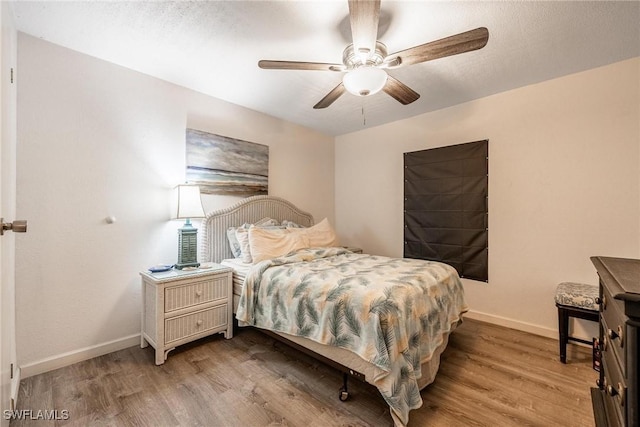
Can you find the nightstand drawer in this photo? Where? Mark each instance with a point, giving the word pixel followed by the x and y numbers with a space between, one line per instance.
pixel 200 292
pixel 181 327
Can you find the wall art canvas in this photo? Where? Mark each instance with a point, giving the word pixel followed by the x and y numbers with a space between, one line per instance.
pixel 223 165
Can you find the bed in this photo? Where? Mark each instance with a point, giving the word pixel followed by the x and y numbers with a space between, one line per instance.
pixel 382 320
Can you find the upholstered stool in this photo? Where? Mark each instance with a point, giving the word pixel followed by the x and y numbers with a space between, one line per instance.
pixel 575 300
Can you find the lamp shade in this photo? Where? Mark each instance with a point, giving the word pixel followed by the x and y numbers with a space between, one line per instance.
pixel 365 81
pixel 189 202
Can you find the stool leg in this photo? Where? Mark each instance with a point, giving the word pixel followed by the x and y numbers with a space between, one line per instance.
pixel 563 329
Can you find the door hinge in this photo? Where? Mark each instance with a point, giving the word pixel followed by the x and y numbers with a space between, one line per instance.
pixel 12 371
pixel 12 75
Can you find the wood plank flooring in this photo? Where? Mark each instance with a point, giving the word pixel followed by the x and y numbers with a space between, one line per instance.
pixel 489 376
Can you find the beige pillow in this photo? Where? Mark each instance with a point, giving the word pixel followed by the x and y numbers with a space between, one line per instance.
pixel 242 236
pixel 320 235
pixel 267 244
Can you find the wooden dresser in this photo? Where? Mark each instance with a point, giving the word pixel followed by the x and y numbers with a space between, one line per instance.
pixel 615 401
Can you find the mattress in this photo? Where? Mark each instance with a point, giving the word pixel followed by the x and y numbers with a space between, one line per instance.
pixel 240 270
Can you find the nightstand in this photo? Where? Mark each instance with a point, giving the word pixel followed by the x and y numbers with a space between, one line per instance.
pixel 181 306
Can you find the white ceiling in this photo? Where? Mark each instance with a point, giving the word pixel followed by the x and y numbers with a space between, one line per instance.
pixel 214 46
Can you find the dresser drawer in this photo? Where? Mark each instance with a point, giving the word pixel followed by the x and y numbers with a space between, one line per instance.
pixel 194 293
pixel 612 347
pixel 614 328
pixel 612 309
pixel 180 327
pixel 615 391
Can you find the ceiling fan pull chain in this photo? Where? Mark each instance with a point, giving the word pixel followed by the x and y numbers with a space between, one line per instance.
pixel 364 118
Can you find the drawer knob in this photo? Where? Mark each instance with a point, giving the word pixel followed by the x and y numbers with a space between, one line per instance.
pixel 617 334
pixel 612 391
pixel 602 301
pixel 199 322
pixel 621 335
pixel 599 301
pixel 198 293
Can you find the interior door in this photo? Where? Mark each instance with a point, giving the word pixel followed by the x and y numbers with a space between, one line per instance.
pixel 9 379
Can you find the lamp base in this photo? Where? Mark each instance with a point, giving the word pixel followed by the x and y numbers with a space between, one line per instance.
pixel 187 247
pixel 186 264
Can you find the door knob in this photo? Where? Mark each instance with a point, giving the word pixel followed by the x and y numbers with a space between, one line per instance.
pixel 17 226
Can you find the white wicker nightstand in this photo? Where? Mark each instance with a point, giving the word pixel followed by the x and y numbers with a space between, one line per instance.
pixel 182 306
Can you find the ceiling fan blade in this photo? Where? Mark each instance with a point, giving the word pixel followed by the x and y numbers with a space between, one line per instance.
pixel 400 91
pixel 330 97
pixel 364 16
pixel 299 65
pixel 453 45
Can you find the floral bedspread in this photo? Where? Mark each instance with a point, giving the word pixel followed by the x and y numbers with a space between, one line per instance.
pixel 392 312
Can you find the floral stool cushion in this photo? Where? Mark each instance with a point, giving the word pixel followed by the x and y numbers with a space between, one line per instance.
pixel 577 295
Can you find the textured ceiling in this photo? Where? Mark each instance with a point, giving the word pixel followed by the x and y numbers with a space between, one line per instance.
pixel 214 46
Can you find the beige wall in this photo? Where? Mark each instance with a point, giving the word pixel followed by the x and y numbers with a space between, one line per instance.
pixel 564 168
pixel 95 140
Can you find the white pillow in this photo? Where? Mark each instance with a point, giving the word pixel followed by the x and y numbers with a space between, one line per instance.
pixel 266 222
pixel 242 235
pixel 234 245
pixel 274 243
pixel 291 224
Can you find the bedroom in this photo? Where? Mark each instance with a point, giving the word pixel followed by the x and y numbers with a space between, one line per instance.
pixel 96 140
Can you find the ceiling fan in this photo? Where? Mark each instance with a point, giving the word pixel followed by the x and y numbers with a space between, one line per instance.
pixel 366 60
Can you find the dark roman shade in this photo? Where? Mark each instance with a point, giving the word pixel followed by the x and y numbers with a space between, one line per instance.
pixel 446 207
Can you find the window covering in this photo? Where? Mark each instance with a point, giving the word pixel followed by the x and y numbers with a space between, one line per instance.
pixel 446 207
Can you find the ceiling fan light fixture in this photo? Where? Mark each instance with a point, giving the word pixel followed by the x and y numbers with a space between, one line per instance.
pixel 364 81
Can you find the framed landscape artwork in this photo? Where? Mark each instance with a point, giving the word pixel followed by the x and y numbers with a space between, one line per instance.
pixel 223 165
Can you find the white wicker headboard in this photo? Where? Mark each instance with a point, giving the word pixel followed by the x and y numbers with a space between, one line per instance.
pixel 214 246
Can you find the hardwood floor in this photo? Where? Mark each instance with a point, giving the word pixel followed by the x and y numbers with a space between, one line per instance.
pixel 489 376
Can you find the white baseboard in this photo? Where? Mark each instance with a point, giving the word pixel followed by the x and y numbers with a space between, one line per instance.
pixel 513 324
pixel 66 359
pixel 524 326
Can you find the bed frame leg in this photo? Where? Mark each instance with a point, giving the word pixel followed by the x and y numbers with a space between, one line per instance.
pixel 344 391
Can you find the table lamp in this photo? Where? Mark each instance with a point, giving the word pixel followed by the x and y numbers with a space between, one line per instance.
pixel 189 206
